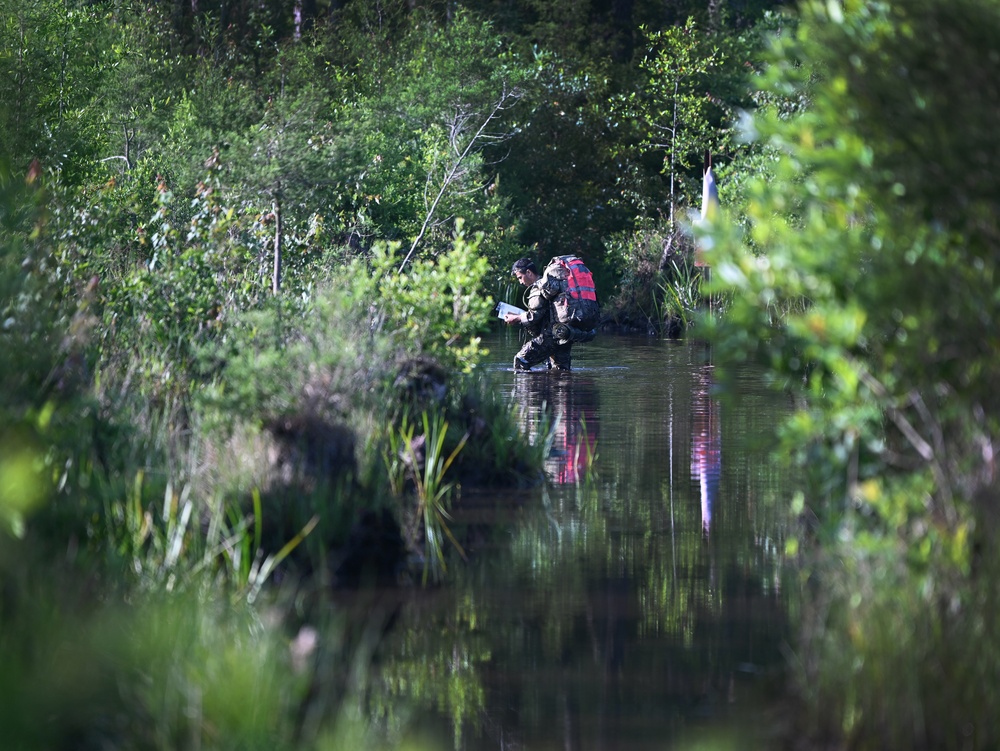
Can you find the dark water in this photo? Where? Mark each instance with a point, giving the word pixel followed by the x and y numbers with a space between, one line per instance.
pixel 634 600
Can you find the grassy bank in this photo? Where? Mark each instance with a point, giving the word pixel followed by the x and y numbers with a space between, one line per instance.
pixel 185 468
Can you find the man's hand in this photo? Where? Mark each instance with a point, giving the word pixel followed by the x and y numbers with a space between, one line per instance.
pixel 512 318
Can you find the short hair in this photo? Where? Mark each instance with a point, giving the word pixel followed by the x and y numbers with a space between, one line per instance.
pixel 524 264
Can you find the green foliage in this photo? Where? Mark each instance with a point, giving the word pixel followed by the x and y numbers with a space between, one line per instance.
pixel 98 231
pixel 426 469
pixel 694 80
pixel 84 669
pixel 659 288
pixel 27 312
pixel 437 307
pixel 882 285
pixel 165 309
pixel 450 95
pixel 299 162
pixel 161 671
pixel 456 66
pixel 876 244
pixel 136 84
pixel 147 367
pixel 880 668
pixel 44 418
pixel 562 172
pixel 47 53
pixel 681 294
pixel 691 89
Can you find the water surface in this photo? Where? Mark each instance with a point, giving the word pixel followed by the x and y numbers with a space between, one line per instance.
pixel 633 600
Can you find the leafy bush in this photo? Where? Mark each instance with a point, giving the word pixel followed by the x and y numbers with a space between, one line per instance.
pixel 437 307
pixel 876 242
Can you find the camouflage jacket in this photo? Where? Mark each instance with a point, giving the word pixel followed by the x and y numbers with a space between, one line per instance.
pixel 538 317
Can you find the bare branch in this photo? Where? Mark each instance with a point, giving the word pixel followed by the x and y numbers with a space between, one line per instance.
pixel 456 170
pixel 921 446
pixel 935 459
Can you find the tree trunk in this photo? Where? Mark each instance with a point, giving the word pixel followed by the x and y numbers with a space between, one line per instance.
pixel 276 274
pixel 667 254
pixel 714 14
pixel 673 159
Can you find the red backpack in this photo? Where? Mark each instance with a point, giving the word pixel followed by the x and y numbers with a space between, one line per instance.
pixel 569 285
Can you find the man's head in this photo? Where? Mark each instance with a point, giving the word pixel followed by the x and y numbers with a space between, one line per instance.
pixel 525 271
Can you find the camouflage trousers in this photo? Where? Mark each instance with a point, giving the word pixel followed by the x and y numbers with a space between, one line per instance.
pixel 542 347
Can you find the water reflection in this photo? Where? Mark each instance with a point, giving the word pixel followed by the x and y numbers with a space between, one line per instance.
pixel 563 410
pixel 706 443
pixel 601 614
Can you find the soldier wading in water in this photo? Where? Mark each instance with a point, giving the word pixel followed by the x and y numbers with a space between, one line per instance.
pixel 538 321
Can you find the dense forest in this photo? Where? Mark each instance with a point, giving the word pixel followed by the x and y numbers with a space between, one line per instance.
pixel 247 251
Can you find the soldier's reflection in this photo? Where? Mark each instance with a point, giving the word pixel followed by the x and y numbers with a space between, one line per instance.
pixel 706 444
pixel 566 406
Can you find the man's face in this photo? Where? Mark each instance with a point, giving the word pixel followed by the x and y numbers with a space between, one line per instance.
pixel 525 277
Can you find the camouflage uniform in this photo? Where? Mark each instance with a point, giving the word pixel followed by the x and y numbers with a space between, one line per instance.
pixel 538 323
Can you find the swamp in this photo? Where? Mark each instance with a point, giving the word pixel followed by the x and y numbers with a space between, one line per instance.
pixel 269 481
pixel 633 599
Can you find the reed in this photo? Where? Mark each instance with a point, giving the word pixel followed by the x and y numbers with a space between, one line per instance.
pixel 679 294
pixel 427 473
pixel 253 577
pixel 584 455
pixel 187 538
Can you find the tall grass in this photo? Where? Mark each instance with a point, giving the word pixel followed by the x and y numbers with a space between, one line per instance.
pixel 143 528
pixel 585 455
pixel 893 657
pixel 426 464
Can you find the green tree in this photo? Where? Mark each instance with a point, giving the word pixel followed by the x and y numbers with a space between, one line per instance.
pixel 870 294
pixel 895 275
pixel 297 156
pixel 694 82
pixel 49 54
pixel 438 307
pixel 451 97
pixel 562 171
pixel 162 311
pixel 138 77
